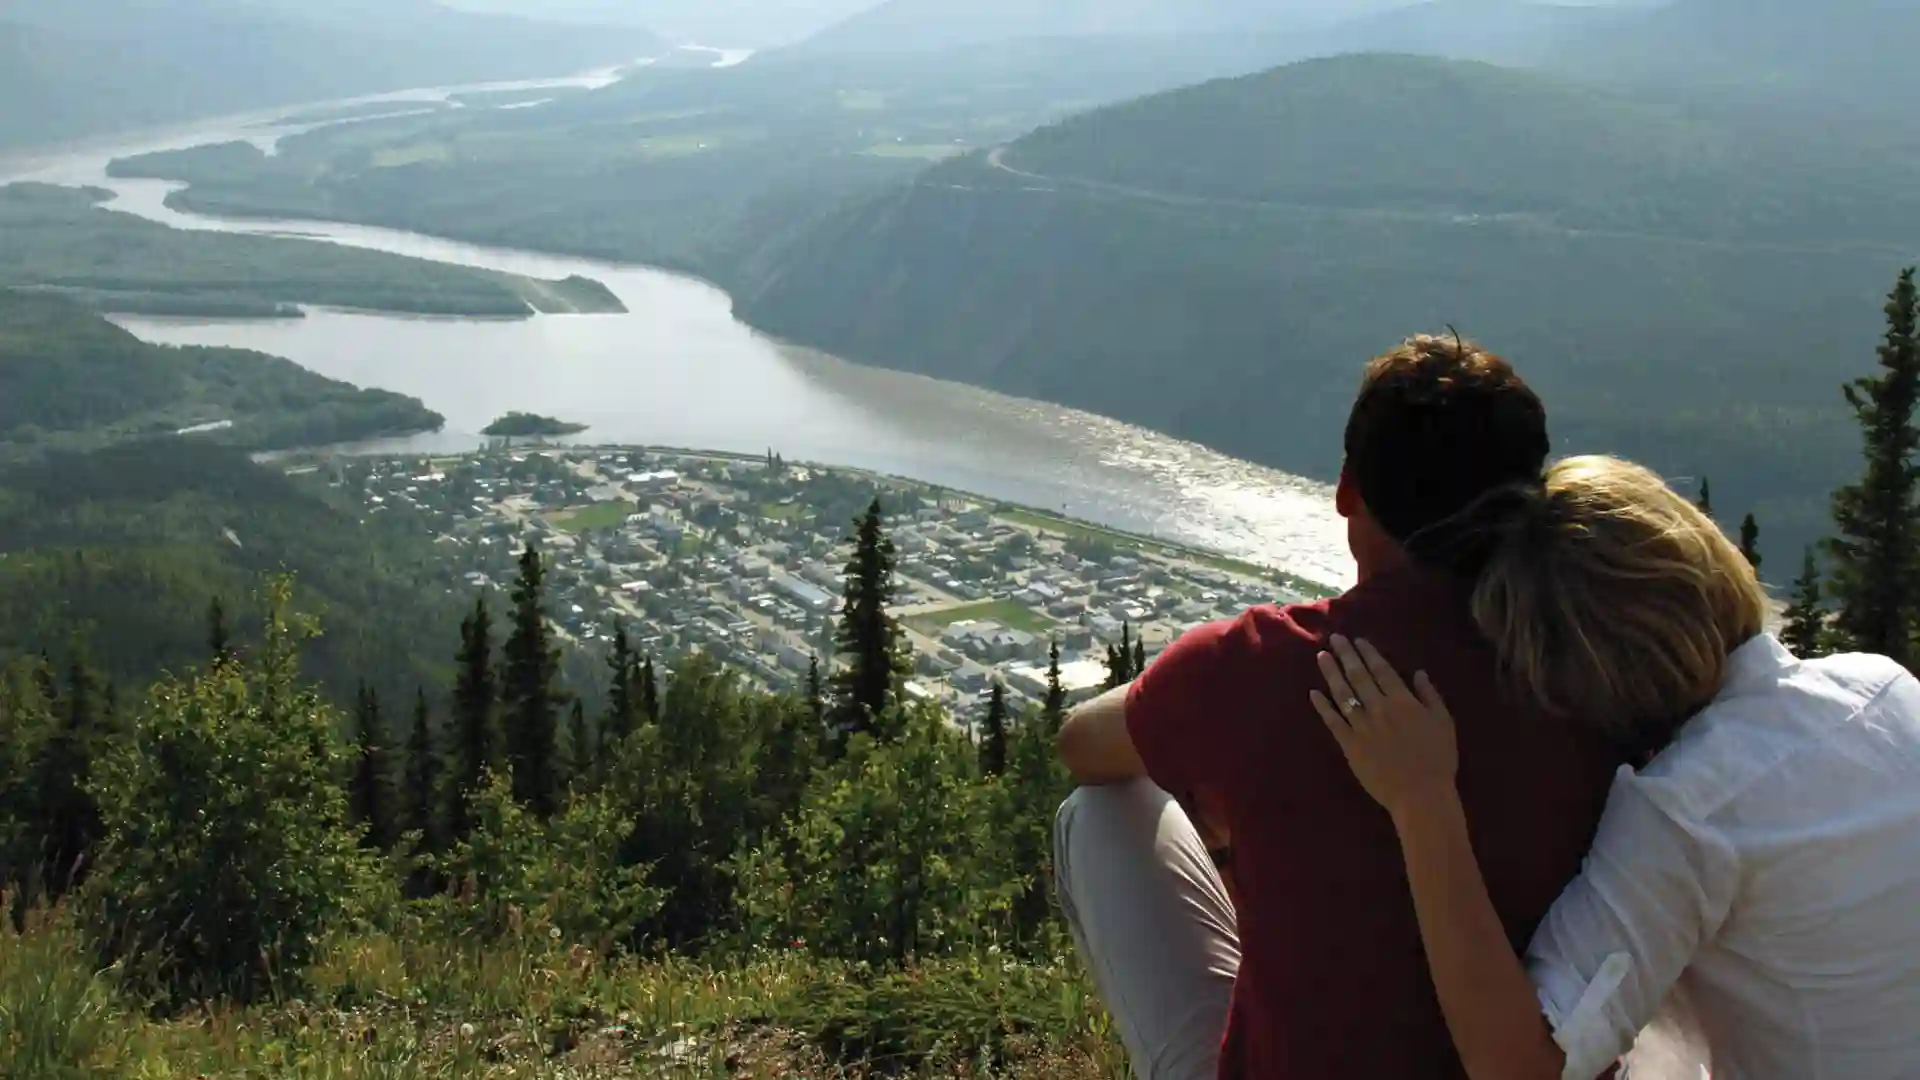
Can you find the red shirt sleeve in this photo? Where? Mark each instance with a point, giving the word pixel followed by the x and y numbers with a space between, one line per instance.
pixel 1183 712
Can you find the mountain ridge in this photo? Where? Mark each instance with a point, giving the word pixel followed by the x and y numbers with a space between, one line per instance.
pixel 1214 263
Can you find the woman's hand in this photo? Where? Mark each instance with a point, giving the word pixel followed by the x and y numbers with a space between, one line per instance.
pixel 1399 743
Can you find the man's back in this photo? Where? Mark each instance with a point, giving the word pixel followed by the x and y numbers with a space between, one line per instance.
pixel 1333 981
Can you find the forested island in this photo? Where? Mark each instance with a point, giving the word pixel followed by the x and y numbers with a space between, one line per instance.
pixel 60 240
pixel 519 425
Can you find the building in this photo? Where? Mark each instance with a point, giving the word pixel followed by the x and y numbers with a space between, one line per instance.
pixel 807 595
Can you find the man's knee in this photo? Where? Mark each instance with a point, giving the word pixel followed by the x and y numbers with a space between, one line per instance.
pixel 1111 813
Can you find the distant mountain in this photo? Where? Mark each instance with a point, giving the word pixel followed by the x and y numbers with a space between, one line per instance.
pixel 724 23
pixel 82 67
pixel 917 25
pixel 1508 31
pixel 1513 32
pixel 1215 262
pixel 1854 53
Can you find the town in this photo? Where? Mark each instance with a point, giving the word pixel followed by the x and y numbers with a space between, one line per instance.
pixel 742 558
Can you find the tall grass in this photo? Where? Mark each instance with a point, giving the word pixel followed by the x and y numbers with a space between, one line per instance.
pixel 409 1005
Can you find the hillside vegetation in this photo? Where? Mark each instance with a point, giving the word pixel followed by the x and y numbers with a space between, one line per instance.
pixel 69 379
pixel 119 552
pixel 1216 262
pixel 58 239
pixel 484 874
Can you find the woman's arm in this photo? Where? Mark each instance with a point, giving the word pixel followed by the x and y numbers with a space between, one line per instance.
pixel 1490 1005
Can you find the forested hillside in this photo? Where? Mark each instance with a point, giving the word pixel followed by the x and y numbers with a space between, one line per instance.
pixel 1853 55
pixel 69 379
pixel 114 557
pixel 58 239
pixel 1215 262
pixel 81 67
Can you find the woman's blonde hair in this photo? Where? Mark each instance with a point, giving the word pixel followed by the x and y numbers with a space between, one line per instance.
pixel 1608 597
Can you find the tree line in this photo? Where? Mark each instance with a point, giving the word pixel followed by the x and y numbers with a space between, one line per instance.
pixel 211 832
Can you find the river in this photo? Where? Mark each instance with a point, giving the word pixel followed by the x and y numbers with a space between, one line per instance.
pixel 678 369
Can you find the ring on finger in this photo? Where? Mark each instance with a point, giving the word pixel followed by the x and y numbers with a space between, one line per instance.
pixel 1351 706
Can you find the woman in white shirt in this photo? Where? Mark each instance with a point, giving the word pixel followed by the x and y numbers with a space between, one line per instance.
pixel 1766 859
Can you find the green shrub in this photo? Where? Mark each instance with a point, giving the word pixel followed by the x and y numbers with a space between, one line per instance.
pixel 227 853
pixel 892 855
pixel 565 876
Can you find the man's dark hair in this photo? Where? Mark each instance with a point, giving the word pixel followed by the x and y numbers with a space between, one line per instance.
pixel 1439 423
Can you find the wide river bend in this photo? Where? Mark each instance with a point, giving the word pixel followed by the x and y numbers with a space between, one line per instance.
pixel 678 369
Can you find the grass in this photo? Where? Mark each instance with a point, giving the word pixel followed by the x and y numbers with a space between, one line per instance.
pixel 606 515
pixel 915 151
pixel 404 1006
pixel 1011 614
pixel 780 511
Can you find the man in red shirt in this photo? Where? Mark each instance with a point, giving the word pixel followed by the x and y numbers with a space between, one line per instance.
pixel 1312 968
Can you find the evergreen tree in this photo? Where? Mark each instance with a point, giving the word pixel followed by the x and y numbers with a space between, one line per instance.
pixel 219 642
pixel 1874 563
pixel 1750 541
pixel 580 746
pixel 1054 712
pixel 816 694
pixel 529 694
pixel 1705 501
pixel 868 638
pixel 1139 658
pixel 993 733
pixel 475 748
pixel 649 693
pixel 622 707
pixel 421 800
pixel 1805 631
pixel 1120 659
pixel 370 802
pixel 69 818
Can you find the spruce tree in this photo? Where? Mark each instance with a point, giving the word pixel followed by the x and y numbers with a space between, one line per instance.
pixel 1750 541
pixel 622 707
pixel 219 641
pixel 1705 501
pixel 580 748
pixel 1054 712
pixel 1805 629
pixel 421 800
pixel 993 733
pixel 529 694
pixel 371 791
pixel 1139 658
pixel 1874 563
pixel 1116 668
pixel 816 693
pixel 476 745
pixel 69 818
pixel 649 693
pixel 868 638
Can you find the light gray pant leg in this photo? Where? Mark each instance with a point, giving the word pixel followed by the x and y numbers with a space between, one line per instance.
pixel 1153 923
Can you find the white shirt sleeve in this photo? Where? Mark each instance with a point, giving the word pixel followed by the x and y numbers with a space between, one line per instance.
pixel 1652 890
